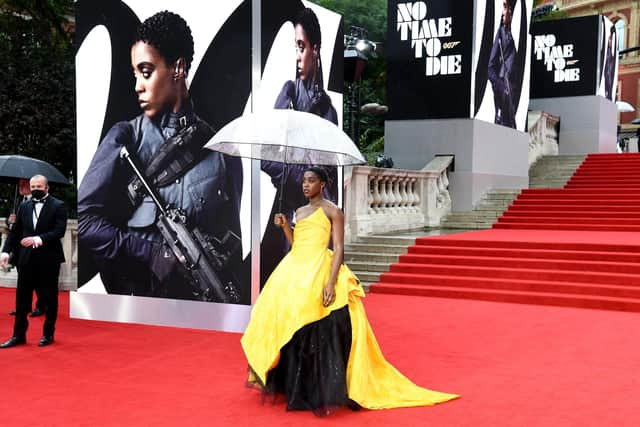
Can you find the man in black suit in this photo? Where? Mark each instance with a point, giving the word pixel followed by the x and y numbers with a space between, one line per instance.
pixel 24 188
pixel 35 237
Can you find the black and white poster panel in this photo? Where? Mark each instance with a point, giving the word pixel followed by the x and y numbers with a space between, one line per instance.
pixel 302 58
pixel 501 62
pixel 428 50
pixel 608 54
pixel 121 249
pixel 565 57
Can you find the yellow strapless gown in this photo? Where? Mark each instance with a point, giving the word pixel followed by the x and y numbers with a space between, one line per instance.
pixel 292 298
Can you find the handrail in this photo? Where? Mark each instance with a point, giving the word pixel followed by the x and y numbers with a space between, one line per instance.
pixel 383 200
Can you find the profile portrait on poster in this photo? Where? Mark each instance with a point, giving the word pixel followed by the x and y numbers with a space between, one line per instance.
pixel 150 184
pixel 307 94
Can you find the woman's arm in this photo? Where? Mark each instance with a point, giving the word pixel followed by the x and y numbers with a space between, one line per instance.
pixel 337 236
pixel 280 220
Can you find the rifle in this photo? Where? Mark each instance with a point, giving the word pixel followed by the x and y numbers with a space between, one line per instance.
pixel 200 255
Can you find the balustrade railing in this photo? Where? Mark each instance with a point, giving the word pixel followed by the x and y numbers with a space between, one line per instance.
pixel 380 200
pixel 68 271
pixel 543 135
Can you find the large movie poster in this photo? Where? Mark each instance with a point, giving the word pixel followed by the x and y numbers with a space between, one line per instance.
pixel 565 57
pixel 501 62
pixel 429 45
pixel 302 53
pixel 158 84
pixel 152 87
pixel 608 54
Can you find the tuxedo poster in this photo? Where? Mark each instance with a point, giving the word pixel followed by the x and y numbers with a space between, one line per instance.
pixel 429 45
pixel 501 62
pixel 608 55
pixel 565 57
pixel 218 77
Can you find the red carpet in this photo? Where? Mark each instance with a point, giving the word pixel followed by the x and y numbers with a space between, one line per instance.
pixel 562 268
pixel 514 365
pixel 602 195
pixel 578 246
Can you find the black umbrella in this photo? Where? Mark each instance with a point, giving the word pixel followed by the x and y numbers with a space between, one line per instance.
pixel 15 166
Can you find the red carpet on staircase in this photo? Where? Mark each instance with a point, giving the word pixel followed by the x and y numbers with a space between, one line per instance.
pixel 578 246
pixel 602 195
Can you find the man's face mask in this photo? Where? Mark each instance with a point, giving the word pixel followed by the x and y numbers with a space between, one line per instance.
pixel 38 194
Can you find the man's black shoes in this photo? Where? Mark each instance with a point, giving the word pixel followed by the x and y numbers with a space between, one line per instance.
pixel 45 340
pixel 12 342
pixel 37 312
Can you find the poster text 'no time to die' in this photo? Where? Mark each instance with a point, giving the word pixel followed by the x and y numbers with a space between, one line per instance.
pixel 556 58
pixel 425 35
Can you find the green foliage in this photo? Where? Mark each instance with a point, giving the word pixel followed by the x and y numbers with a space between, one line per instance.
pixel 555 14
pixel 37 113
pixel 372 16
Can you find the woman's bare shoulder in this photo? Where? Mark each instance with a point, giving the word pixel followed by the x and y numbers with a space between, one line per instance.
pixel 331 209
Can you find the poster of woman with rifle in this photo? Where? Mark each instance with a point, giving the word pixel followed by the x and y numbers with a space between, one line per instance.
pixel 159 215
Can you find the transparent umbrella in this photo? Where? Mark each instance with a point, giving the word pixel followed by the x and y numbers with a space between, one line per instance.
pixel 287 136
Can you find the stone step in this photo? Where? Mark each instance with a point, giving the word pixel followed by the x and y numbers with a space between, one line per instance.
pixel 495 204
pixel 370 267
pixel 555 174
pixel 485 213
pixel 350 257
pixel 387 240
pixel 561 158
pixel 367 276
pixel 553 171
pixel 380 249
pixel 467 225
pixel 473 216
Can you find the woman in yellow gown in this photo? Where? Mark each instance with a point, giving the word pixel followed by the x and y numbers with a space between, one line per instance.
pixel 309 337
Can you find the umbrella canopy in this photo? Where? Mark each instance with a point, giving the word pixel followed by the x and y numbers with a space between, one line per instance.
pixel 624 107
pixel 287 136
pixel 15 166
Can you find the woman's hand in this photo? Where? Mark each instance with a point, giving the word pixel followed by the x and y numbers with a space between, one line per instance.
pixel 280 220
pixel 328 294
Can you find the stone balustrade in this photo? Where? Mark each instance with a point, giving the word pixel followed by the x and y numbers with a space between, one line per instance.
pixel 68 270
pixel 385 200
pixel 543 135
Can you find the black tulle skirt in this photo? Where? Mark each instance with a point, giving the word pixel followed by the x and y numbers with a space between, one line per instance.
pixel 312 371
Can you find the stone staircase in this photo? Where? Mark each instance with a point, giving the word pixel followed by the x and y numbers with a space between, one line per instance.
pixel 371 256
pixel 486 212
pixel 553 171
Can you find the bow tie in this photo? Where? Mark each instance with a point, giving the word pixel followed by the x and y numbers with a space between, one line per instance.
pixel 35 202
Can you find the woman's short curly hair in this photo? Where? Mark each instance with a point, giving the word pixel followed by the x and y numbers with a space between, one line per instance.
pixel 308 20
pixel 319 171
pixel 169 34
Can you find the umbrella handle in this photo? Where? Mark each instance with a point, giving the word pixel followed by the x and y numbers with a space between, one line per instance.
pixel 284 176
pixel 282 179
pixel 15 199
